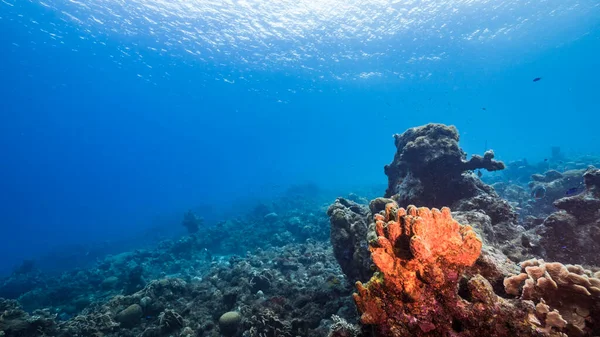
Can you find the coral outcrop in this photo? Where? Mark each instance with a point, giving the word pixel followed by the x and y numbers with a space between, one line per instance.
pixel 567 297
pixel 421 255
pixel 572 235
pixel 348 233
pixel 430 169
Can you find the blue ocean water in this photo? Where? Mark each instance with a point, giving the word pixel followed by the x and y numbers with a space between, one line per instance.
pixel 115 112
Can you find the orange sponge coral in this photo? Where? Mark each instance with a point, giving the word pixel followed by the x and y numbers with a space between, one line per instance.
pixel 420 254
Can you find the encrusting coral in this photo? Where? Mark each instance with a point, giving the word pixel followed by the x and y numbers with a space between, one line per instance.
pixel 421 255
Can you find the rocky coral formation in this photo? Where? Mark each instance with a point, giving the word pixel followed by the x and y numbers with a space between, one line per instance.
pixel 553 185
pixel 572 235
pixel 421 255
pixel 16 322
pixel 567 297
pixel 348 235
pixel 430 169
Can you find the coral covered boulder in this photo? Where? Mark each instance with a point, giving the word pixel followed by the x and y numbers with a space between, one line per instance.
pixel 572 235
pixel 430 168
pixel 348 234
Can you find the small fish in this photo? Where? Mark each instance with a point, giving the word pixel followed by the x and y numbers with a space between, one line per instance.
pixel 537 79
pixel 483 109
pixel 545 159
pixel 479 174
pixel 572 190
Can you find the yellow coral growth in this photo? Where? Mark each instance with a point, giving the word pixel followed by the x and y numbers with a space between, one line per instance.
pixel 418 253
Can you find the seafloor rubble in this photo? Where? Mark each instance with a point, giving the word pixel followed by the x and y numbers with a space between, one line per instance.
pixel 502 263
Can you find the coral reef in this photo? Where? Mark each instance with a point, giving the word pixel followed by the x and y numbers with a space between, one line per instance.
pixel 567 297
pixel 571 235
pixel 128 272
pixel 287 291
pixel 16 322
pixel 420 271
pixel 421 255
pixel 430 169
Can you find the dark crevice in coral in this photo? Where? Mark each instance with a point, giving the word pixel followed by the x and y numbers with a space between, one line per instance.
pixel 457 325
pixel 463 290
pixel 402 248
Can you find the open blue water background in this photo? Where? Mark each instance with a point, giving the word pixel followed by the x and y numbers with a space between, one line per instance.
pixel 113 113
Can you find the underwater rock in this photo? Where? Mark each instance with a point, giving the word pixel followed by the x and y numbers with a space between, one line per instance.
pixel 261 282
pixel 479 221
pixel 130 316
pixel 572 235
pixel 229 323
pixel 430 168
pixel 349 227
pixel 494 266
pixel 555 186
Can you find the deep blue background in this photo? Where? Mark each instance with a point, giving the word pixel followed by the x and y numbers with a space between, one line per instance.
pixel 89 151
